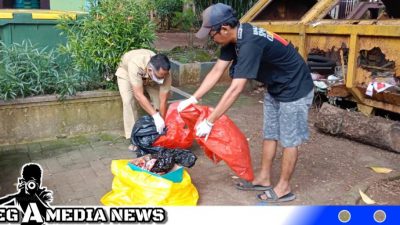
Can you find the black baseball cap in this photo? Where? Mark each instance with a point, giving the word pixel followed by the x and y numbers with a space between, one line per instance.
pixel 214 15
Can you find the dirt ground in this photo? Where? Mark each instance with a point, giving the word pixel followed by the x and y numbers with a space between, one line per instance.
pixel 386 191
pixel 167 41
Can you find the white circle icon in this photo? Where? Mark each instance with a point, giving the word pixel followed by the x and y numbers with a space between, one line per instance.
pixel 379 216
pixel 344 216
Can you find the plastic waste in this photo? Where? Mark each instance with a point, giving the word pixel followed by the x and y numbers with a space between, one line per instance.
pixel 165 161
pixel 226 142
pixel 320 84
pixel 184 157
pixel 144 133
pixel 178 135
pixel 132 187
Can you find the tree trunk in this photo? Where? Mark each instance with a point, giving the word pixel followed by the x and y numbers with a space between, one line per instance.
pixel 376 131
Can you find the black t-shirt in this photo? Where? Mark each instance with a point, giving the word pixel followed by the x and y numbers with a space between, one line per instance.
pixel 268 58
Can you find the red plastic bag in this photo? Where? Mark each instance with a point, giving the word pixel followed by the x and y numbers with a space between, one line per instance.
pixel 178 134
pixel 225 142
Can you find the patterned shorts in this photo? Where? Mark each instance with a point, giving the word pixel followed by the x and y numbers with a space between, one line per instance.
pixel 287 121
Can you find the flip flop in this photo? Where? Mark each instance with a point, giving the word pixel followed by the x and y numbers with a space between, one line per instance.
pixel 248 186
pixel 272 197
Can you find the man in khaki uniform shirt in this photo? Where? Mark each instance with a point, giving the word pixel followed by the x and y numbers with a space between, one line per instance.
pixel 141 70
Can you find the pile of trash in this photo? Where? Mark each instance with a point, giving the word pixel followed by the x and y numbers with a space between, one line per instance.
pixel 156 176
pixel 156 159
pixel 226 142
pixel 329 69
pixel 163 162
pixel 383 75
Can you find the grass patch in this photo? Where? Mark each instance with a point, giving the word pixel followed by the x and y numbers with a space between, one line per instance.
pixel 189 55
pixel 107 137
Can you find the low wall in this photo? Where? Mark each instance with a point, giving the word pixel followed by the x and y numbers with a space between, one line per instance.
pixel 45 117
pixel 193 73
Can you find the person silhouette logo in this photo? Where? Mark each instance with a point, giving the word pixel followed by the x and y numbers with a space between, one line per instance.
pixel 31 199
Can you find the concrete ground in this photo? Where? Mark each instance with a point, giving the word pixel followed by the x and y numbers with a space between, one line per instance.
pixel 330 170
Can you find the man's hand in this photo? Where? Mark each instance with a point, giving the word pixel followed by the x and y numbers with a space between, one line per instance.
pixel 159 122
pixel 185 103
pixel 204 128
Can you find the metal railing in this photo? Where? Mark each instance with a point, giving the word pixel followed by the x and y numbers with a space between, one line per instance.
pixel 345 7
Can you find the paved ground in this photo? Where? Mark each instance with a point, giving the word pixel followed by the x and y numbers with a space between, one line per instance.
pixel 330 170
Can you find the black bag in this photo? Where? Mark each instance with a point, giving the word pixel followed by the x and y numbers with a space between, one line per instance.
pixel 144 133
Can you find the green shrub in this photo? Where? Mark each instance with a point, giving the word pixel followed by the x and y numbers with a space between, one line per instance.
pixel 97 41
pixel 186 21
pixel 165 10
pixel 28 71
pixel 240 6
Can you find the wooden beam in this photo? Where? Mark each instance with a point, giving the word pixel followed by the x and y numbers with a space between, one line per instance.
pixel 286 28
pixel 382 105
pixel 365 109
pixel 392 30
pixel 388 30
pixel 303 40
pixel 318 11
pixel 254 11
pixel 352 61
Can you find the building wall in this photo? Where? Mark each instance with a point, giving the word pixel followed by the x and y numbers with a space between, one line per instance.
pixel 74 5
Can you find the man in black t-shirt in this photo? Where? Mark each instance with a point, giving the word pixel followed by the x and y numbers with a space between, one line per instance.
pixel 261 55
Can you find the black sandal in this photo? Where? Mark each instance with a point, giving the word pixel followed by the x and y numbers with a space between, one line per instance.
pixel 248 186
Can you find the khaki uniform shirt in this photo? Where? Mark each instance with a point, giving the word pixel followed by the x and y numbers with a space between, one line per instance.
pixel 133 68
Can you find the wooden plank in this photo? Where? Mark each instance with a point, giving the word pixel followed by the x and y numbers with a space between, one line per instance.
pixel 383 30
pixel 287 28
pixel 389 30
pixel 254 11
pixel 338 91
pixel 319 10
pixel 352 61
pixel 365 109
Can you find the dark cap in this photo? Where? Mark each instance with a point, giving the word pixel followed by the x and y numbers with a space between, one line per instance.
pixel 214 15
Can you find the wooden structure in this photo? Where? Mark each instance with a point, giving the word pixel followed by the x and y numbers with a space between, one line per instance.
pixel 313 30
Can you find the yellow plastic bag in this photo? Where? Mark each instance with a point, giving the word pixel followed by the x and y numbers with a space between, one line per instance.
pixel 131 187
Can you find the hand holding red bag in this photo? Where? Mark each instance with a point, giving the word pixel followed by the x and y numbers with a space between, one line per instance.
pixel 178 134
pixel 225 142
